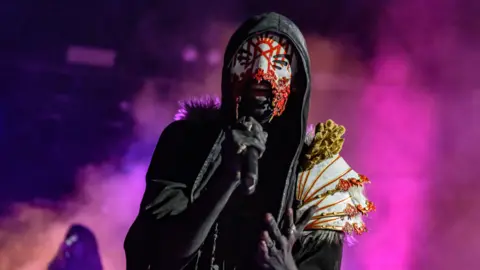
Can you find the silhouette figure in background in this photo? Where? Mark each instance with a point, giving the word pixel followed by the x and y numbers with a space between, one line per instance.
pixel 79 251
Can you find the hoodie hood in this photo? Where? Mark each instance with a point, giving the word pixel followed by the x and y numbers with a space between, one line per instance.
pixel 292 123
pixel 288 131
pixel 298 105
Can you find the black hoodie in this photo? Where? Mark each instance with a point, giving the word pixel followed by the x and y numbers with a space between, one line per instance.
pixel 189 152
pixel 80 254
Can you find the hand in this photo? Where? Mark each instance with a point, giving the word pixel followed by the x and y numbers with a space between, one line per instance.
pixel 275 250
pixel 247 132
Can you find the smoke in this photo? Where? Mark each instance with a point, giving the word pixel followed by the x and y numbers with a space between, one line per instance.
pixel 392 131
pixel 106 201
pixel 108 195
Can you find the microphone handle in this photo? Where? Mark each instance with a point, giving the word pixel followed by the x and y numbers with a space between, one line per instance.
pixel 250 170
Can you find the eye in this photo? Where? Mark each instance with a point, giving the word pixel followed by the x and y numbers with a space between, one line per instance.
pixel 279 64
pixel 243 58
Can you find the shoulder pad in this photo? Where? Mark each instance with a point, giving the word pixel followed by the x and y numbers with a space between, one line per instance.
pixel 325 142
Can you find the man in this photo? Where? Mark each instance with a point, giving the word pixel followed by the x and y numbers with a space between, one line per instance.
pixel 201 210
pixel 79 251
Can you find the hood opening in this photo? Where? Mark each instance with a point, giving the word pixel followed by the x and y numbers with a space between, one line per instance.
pixel 287 132
pixel 297 106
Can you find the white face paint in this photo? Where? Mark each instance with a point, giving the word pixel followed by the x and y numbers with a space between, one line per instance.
pixel 265 57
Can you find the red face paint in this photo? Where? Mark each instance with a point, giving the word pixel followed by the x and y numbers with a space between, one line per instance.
pixel 264 58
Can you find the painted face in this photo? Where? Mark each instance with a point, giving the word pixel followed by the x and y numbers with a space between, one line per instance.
pixel 262 68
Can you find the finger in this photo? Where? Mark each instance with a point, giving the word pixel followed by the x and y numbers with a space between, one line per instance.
pixel 306 217
pixel 243 124
pixel 254 142
pixel 244 137
pixel 263 142
pixel 263 251
pixel 262 259
pixel 290 221
pixel 248 126
pixel 273 229
pixel 263 247
pixel 269 243
pixel 265 135
pixel 257 129
pixel 262 256
pixel 292 232
pixel 256 126
pixel 244 127
pixel 262 136
pixel 290 224
pixel 239 135
pixel 243 142
pixel 259 145
pixel 242 119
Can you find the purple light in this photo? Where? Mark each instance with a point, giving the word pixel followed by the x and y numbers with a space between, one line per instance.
pixel 399 123
pixel 189 54
pixel 195 107
pixel 214 57
pixel 124 106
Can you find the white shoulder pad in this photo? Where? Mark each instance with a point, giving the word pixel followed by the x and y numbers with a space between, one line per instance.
pixel 337 190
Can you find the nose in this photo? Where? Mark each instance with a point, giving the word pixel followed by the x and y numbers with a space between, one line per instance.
pixel 261 63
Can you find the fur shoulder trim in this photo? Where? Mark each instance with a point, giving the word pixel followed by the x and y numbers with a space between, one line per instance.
pixel 199 109
pixel 323 142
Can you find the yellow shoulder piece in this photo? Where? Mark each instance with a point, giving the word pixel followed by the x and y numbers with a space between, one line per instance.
pixel 326 143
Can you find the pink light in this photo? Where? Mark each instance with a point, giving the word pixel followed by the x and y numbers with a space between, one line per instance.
pixel 189 53
pixel 214 57
pixel 399 127
pixel 90 56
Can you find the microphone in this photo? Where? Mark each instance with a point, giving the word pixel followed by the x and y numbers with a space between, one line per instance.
pixel 250 170
pixel 249 165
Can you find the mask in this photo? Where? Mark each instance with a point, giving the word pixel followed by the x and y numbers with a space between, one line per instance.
pixel 267 57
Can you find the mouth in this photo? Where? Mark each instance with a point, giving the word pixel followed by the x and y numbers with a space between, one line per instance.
pixel 261 89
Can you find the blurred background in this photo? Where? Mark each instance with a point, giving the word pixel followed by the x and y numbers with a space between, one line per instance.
pixel 86 87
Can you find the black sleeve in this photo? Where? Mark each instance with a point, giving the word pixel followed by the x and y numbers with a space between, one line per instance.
pixel 165 194
pixel 320 254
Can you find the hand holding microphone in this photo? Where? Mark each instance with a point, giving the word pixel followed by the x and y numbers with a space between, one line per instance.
pixel 249 139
